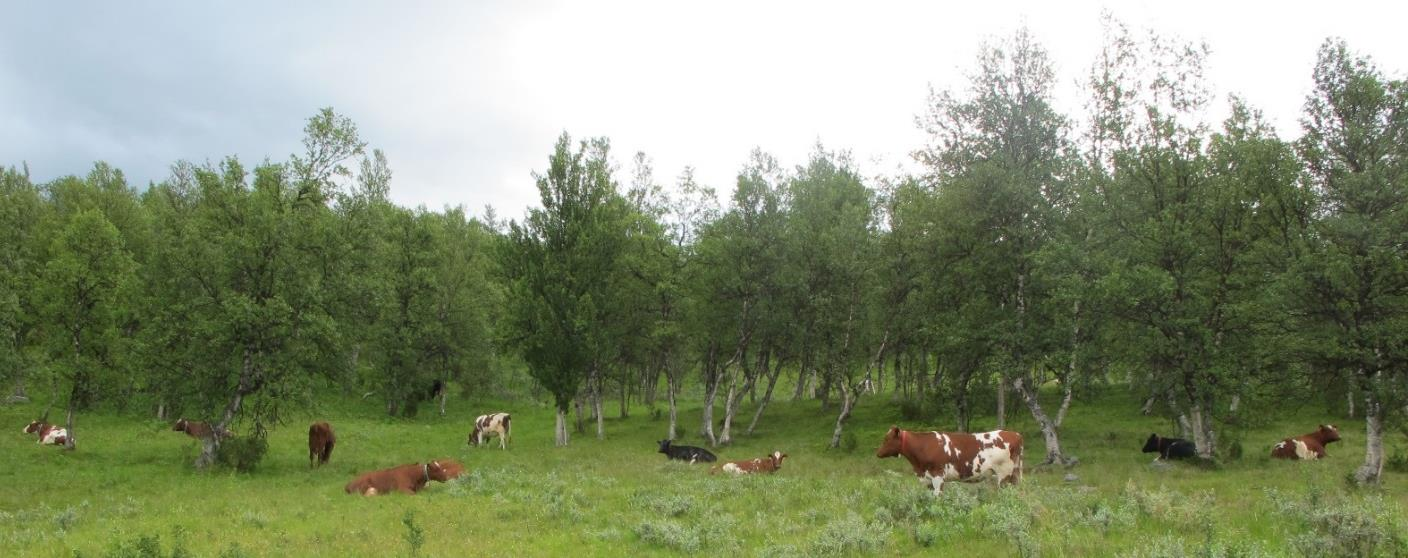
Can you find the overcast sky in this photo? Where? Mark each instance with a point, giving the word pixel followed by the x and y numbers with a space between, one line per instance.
pixel 466 98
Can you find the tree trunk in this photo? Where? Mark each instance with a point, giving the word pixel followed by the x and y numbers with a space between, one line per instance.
pixel 848 400
pixel 1001 401
pixel 161 411
pixel 1349 398
pixel 1065 402
pixel 560 437
pixel 71 440
pixel 711 390
pixel 767 396
pixel 1049 428
pixel 626 396
pixel 1203 436
pixel 581 426
pixel 1372 469
pixel 600 416
pixel 671 388
pixel 963 412
pixel 444 395
pixel 733 404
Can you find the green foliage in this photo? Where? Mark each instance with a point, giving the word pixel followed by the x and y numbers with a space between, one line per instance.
pixel 415 535
pixel 242 453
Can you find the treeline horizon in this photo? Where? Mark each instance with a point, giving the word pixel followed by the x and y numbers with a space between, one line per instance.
pixel 1219 269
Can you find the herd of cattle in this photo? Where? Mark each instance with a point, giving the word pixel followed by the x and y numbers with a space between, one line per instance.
pixel 935 456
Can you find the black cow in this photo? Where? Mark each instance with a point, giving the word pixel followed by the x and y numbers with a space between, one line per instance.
pixel 1170 448
pixel 686 453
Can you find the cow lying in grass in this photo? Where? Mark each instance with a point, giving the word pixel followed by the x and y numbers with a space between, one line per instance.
pixel 940 456
pixel 1170 448
pixel 320 443
pixel 686 453
pixel 48 433
pixel 769 464
pixel 495 424
pixel 1307 446
pixel 198 429
pixel 407 479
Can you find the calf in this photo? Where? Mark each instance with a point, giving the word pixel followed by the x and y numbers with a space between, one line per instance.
pixel 198 429
pixel 769 464
pixel 940 456
pixel 320 442
pixel 48 433
pixel 686 453
pixel 497 424
pixel 1307 446
pixel 1170 448
pixel 407 479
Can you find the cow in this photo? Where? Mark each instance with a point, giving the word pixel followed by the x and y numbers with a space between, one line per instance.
pixel 940 456
pixel 320 443
pixel 197 429
pixel 498 424
pixel 1170 448
pixel 686 453
pixel 48 434
pixel 1307 446
pixel 407 479
pixel 768 464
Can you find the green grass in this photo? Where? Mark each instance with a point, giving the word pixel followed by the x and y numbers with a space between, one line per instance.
pixel 131 478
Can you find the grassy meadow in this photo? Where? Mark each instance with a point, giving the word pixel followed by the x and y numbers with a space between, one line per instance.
pixel 129 490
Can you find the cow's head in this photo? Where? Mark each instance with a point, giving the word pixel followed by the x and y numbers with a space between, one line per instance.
pixel 34 427
pixel 1152 445
pixel 180 425
pixel 665 446
pixel 444 470
pixel 474 436
pixel 777 458
pixel 1328 433
pixel 890 446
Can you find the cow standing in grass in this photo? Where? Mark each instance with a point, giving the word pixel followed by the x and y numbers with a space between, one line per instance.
pixel 1169 448
pixel 1307 446
pixel 48 434
pixel 768 464
pixel 198 429
pixel 406 479
pixel 940 456
pixel 497 424
pixel 320 443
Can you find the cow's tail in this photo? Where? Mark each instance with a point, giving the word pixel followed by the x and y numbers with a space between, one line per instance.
pixel 508 428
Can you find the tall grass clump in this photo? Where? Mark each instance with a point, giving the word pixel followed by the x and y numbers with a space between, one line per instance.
pixel 1337 525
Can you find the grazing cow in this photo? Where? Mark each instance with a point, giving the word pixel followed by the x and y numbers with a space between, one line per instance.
pixel 407 479
pixel 941 456
pixel 769 464
pixel 497 424
pixel 197 429
pixel 1170 448
pixel 1307 446
pixel 320 442
pixel 686 453
pixel 48 433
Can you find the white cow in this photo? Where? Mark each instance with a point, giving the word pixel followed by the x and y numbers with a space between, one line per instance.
pixel 497 424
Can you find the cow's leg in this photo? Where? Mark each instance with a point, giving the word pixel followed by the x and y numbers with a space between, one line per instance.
pixel 938 486
pixel 503 440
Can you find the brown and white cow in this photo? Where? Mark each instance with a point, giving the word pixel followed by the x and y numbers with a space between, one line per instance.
pixel 197 429
pixel 48 434
pixel 941 456
pixel 407 479
pixel 498 424
pixel 320 443
pixel 1307 446
pixel 768 464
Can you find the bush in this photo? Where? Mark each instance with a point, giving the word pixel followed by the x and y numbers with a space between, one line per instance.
pixel 668 504
pixel 148 546
pixel 848 536
pixel 668 534
pixel 1340 526
pixel 1398 462
pixel 242 454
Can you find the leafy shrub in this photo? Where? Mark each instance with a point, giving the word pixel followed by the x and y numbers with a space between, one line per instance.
pixel 1398 462
pixel 415 536
pixel 912 408
pixel 849 443
pixel 668 534
pixel 148 546
pixel 847 536
pixel 1172 547
pixel 667 504
pixel 242 454
pixel 1340 526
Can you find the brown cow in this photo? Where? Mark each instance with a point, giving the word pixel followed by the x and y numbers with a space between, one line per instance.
pixel 408 479
pixel 769 464
pixel 48 433
pixel 197 429
pixel 320 442
pixel 1307 446
pixel 941 456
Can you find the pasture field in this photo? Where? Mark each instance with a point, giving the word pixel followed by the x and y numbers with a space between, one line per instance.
pixel 129 490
